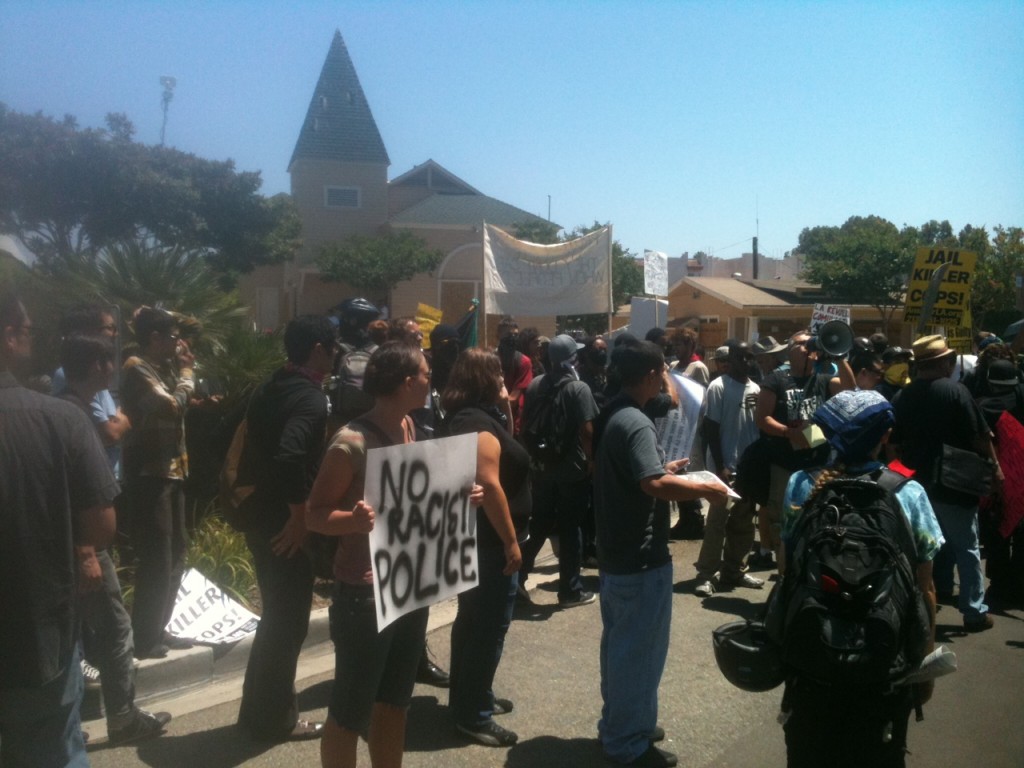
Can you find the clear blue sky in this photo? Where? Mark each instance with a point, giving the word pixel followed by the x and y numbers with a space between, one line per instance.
pixel 681 123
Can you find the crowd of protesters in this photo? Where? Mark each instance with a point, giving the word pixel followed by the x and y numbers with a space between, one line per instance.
pixel 354 381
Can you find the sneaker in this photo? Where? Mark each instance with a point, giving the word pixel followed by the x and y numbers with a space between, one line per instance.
pixel 580 598
pixel 744 580
pixel 144 725
pixel 490 734
pixel 761 561
pixel 91 675
pixel 653 758
pixel 705 589
pixel 980 624
pixel 502 706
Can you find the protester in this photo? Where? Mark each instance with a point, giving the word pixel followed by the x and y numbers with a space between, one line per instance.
pixel 476 401
pixel 934 411
pixel 286 429
pixel 156 387
pixel 57 492
pixel 407 330
pixel 87 364
pixel 766 354
pixel 867 369
pixel 516 368
pixel 529 344
pixel 374 672
pixel 857 727
pixel 634 559
pixel 684 343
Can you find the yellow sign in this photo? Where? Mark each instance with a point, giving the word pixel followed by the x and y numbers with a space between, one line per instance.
pixel 952 298
pixel 428 318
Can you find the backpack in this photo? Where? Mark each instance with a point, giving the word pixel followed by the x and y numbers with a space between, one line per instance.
pixel 348 401
pixel 848 610
pixel 546 433
pixel 237 484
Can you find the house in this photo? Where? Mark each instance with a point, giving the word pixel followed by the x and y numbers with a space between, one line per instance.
pixel 339 182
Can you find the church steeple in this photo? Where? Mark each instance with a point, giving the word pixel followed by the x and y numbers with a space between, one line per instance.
pixel 339 125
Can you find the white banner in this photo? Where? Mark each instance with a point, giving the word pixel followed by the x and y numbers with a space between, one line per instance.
pixel 203 613
pixel 676 431
pixel 572 278
pixel 824 313
pixel 655 273
pixel 423 544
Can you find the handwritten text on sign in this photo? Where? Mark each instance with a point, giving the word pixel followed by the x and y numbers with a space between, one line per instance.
pixel 423 545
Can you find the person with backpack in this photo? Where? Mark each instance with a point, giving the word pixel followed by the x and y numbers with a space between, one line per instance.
pixel 859 540
pixel 557 431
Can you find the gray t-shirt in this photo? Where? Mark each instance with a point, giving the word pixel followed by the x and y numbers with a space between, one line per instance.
pixel 632 531
pixel 732 404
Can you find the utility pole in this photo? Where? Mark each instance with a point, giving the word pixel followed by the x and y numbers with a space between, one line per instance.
pixel 169 83
pixel 754 267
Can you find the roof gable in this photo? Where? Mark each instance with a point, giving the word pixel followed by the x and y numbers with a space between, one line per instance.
pixel 339 125
pixel 461 211
pixel 431 175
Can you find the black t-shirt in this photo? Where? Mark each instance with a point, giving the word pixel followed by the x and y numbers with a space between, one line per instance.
pixel 931 413
pixel 796 400
pixel 513 472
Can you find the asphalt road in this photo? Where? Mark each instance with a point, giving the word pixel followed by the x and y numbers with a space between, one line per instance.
pixel 550 671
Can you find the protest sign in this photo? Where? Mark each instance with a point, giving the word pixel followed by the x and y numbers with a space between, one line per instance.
pixel 427 318
pixel 656 273
pixel 953 292
pixel 203 613
pixel 676 430
pixel 824 313
pixel 423 544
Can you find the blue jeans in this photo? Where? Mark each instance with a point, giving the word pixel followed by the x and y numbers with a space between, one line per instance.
pixel 478 638
pixel 636 613
pixel 558 508
pixel 107 638
pixel 960 527
pixel 42 727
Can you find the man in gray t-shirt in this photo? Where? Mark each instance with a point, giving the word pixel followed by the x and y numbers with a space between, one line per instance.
pixel 633 557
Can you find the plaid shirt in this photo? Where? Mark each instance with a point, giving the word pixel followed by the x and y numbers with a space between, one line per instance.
pixel 155 402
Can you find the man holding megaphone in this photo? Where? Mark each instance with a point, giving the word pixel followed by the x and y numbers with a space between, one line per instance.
pixel 784 407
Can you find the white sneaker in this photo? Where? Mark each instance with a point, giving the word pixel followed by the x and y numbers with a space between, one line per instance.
pixel 90 674
pixel 705 589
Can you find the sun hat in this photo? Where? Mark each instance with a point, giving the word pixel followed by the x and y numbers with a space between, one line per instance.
pixel 767 345
pixel 932 347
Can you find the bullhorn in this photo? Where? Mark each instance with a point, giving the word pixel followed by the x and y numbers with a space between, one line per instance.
pixel 835 338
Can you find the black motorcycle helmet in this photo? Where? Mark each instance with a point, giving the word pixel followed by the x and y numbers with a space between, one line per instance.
pixel 747 656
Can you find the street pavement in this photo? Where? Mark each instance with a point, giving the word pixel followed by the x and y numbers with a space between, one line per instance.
pixel 550 670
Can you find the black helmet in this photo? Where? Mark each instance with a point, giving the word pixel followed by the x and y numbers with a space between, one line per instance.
pixel 357 309
pixel 747 656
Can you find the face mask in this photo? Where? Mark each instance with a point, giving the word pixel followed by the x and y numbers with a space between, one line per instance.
pixel 897 374
pixel 601 358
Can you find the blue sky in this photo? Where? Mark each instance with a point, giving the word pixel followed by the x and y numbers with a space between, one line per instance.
pixel 688 125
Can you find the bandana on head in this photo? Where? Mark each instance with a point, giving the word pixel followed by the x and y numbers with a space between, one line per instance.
pixel 854 422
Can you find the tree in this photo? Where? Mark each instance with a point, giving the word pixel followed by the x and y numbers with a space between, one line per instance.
pixel 375 265
pixel 993 295
pixel 68 192
pixel 865 261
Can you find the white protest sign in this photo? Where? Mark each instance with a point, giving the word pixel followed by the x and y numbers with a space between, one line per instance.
pixel 203 613
pixel 677 429
pixel 655 273
pixel 423 544
pixel 824 313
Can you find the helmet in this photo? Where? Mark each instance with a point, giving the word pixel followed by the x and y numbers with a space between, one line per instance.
pixel 747 656
pixel 357 310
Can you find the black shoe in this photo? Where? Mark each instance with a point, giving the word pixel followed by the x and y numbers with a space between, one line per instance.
pixel 429 673
pixel 144 725
pixel 489 734
pixel 658 734
pixel 979 624
pixel 655 758
pixel 157 651
pixel 502 706
pixel 580 598
pixel 176 643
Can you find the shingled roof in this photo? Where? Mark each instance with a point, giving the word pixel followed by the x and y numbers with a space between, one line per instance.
pixel 461 210
pixel 339 125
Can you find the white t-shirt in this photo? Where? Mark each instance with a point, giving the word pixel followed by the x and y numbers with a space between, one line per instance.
pixel 732 404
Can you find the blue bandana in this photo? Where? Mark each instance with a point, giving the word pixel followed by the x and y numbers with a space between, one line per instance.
pixel 854 422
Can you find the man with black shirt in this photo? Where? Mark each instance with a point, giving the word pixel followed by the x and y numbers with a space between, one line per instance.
pixel 785 404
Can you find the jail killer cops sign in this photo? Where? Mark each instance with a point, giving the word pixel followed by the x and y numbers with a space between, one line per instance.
pixel 953 292
pixel 203 613
pixel 423 543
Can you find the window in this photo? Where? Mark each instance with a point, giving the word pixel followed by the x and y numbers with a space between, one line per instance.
pixel 341 197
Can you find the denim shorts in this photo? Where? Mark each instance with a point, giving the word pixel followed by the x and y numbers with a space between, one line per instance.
pixel 371 667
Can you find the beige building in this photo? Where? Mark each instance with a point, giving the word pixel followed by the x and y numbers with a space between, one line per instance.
pixel 339 181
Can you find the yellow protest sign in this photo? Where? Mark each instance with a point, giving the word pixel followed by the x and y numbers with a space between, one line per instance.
pixel 951 299
pixel 428 318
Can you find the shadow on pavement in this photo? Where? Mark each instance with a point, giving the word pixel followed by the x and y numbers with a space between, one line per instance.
pixel 316 696
pixel 224 747
pixel 430 727
pixel 553 752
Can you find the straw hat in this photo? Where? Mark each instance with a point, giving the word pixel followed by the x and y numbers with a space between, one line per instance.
pixel 931 348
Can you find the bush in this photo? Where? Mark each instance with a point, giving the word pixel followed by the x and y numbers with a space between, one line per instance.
pixel 220 553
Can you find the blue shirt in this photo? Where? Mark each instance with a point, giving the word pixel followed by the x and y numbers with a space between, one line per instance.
pixel 913 501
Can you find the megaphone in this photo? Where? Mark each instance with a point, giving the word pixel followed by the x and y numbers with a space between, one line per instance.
pixel 835 338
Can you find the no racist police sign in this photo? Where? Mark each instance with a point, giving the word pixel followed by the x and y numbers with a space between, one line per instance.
pixel 423 544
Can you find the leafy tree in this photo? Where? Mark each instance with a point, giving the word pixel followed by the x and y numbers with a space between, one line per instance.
pixel 865 261
pixel 536 231
pixel 994 293
pixel 67 192
pixel 375 265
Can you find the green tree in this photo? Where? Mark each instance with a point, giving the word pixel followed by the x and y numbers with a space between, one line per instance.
pixel 994 293
pixel 375 265
pixel 865 261
pixel 67 192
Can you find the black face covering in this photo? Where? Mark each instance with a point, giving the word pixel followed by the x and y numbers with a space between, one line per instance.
pixel 600 359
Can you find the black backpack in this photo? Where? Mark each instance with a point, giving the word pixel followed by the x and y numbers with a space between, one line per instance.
pixel 546 433
pixel 348 400
pixel 848 610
